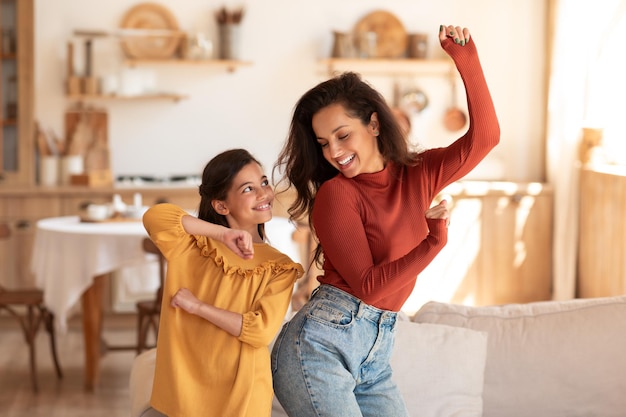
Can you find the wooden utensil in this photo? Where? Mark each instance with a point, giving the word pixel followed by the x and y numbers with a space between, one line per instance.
pixel 454 118
pixel 401 116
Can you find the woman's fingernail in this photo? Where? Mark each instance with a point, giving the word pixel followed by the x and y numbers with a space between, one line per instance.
pixel 451 33
pixel 463 42
pixel 440 28
pixel 456 40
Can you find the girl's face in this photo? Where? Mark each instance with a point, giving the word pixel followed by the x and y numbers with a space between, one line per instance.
pixel 249 200
pixel 346 143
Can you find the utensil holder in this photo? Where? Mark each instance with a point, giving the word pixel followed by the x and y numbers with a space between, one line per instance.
pixel 49 170
pixel 229 40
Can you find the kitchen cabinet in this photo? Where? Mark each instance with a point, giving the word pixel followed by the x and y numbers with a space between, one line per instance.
pixel 516 255
pixel 499 247
pixel 602 233
pixel 16 92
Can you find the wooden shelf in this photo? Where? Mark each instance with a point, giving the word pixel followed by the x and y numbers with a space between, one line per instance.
pixel 160 96
pixel 399 66
pixel 228 64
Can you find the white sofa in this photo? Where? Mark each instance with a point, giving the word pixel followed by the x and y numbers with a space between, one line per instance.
pixel 552 359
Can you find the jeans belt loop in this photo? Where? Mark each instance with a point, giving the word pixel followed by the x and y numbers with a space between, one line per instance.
pixel 359 313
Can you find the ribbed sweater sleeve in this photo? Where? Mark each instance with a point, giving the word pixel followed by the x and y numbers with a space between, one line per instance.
pixel 372 228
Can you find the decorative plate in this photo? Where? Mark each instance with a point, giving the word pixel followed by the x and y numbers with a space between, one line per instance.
pixel 150 16
pixel 391 37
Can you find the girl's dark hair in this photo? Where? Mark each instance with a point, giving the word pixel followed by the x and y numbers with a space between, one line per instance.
pixel 217 178
pixel 301 162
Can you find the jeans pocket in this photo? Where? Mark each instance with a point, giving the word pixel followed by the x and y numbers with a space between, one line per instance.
pixel 331 314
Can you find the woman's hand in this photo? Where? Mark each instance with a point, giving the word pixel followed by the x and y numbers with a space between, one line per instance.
pixel 239 241
pixel 458 34
pixel 440 211
pixel 186 300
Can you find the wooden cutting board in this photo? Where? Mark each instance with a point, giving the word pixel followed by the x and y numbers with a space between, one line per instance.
pixel 391 36
pixel 83 127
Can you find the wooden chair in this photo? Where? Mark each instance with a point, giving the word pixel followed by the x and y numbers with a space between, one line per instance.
pixel 14 301
pixel 149 311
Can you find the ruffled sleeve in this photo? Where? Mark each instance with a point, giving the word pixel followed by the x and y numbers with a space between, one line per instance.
pixel 276 276
pixel 163 222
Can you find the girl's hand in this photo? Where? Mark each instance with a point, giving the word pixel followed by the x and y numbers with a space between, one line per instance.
pixel 459 35
pixel 240 242
pixel 186 300
pixel 440 211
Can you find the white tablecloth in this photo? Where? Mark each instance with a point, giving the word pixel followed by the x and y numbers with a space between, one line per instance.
pixel 68 254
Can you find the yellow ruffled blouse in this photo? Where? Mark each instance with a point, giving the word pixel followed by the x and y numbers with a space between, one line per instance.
pixel 201 370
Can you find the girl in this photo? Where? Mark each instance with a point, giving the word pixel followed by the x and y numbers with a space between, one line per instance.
pixel 367 196
pixel 225 296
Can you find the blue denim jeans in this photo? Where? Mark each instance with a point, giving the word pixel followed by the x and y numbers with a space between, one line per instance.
pixel 332 359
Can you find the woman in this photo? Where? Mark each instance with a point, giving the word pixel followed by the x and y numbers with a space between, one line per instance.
pixel 225 296
pixel 367 197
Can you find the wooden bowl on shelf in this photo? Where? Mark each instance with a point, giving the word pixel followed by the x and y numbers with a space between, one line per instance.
pixel 145 17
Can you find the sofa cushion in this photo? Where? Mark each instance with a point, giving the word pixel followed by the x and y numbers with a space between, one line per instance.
pixel 439 369
pixel 548 358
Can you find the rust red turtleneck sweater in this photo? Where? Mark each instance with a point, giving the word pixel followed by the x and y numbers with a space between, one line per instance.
pixel 372 227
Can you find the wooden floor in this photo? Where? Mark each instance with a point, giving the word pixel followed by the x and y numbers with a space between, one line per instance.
pixel 65 397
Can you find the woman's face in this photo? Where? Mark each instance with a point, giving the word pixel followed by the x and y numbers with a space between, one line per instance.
pixel 249 200
pixel 346 143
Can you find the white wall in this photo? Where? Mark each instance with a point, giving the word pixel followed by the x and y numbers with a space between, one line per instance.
pixel 284 39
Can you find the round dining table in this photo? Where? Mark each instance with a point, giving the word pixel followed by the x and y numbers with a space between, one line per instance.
pixel 71 260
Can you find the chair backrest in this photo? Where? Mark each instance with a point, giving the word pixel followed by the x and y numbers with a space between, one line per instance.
pixel 150 247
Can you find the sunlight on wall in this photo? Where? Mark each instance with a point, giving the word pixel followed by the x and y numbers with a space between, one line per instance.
pixel 606 92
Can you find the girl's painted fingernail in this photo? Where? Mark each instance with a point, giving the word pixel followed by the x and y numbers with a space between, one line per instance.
pixel 451 33
pixel 456 40
pixel 463 42
pixel 440 28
